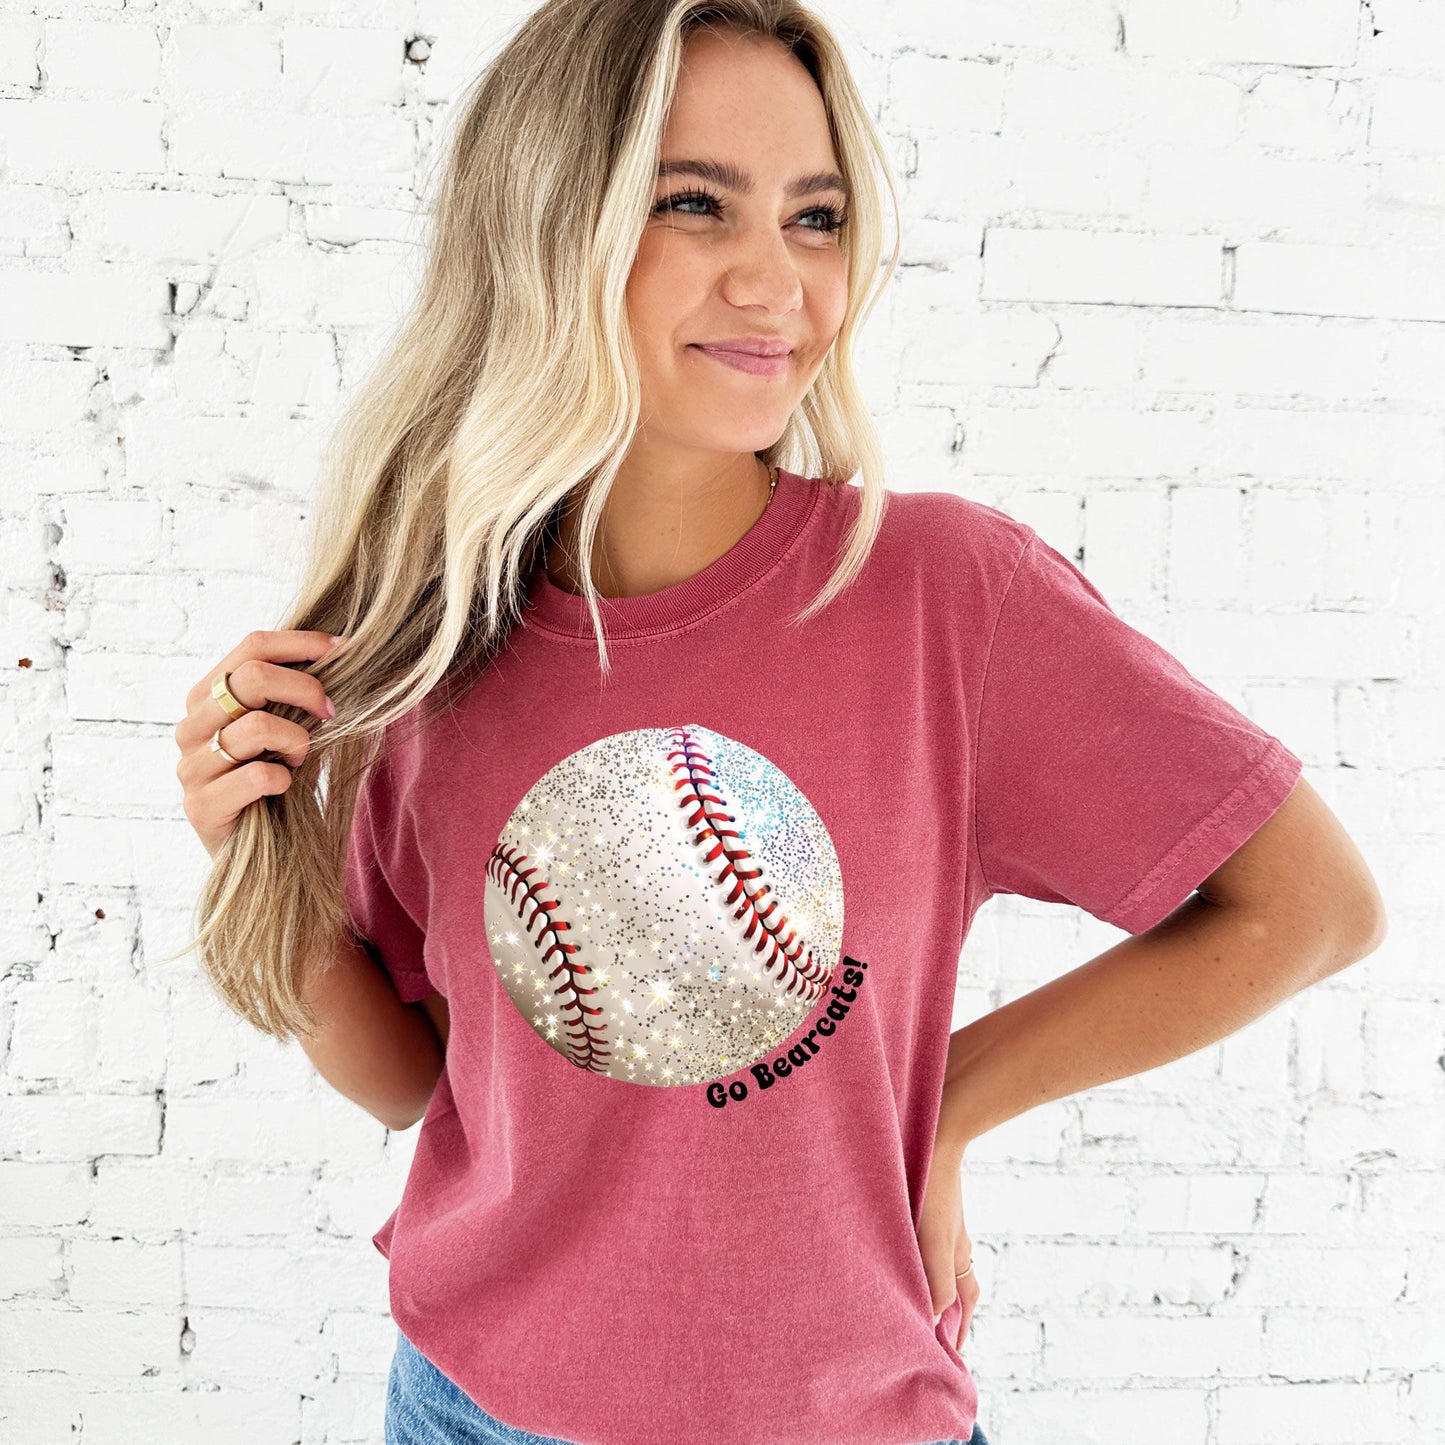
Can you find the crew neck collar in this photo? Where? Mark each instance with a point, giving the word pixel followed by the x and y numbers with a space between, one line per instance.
pixel 551 609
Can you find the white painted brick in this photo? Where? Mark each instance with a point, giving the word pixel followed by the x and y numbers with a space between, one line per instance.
pixel 237 1413
pixel 1312 1344
pixel 1405 282
pixel 1305 112
pixel 1068 441
pixel 1413 361
pixel 1032 1202
pixel 1096 346
pixel 271 1344
pixel 207 1043
pixel 206 60
pixel 41 394
pixel 1197 1203
pixel 1408 113
pixel 1169 107
pixel 115 1343
pixel 111 774
pixel 89 306
pixel 45 136
pixel 1406 1046
pixel 131 1035
pixel 1096 98
pixel 1425 1275
pixel 1377 450
pixel 1321 1207
pixel 151 1199
pixel 123 1271
pixel 268 1130
pixel 19 50
pixel 1407 193
pixel 1066 178
pixel 43 1195
pixel 42 1409
pixel 1407 1135
pixel 1278 1272
pixel 933 94
pixel 285 147
pixel 1326 199
pixel 54 1034
pixel 1261 356
pixel 1206 562
pixel 1074 27
pixel 1102 266
pixel 30 1264
pixel 1329 1042
pixel 1182 1346
pixel 101 57
pixel 1400 1204
pixel 1363 536
pixel 1329 1414
pixel 1110 1278
pixel 96 532
pixel 79 1126
pixel 165 226
pixel 1279 32
pixel 1139 1415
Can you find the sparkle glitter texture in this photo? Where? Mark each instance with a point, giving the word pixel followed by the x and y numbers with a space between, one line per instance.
pixel 664 906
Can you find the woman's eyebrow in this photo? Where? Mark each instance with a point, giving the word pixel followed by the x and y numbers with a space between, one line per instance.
pixel 724 173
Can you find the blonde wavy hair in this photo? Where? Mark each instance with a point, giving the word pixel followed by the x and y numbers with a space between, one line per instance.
pixel 512 388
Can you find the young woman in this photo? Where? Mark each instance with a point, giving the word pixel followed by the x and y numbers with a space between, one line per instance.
pixel 662 948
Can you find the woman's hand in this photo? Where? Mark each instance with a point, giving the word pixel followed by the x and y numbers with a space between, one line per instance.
pixel 944 1241
pixel 217 790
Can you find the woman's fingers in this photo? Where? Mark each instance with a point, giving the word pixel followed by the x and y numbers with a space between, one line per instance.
pixel 968 1293
pixel 258 676
pixel 218 789
pixel 261 731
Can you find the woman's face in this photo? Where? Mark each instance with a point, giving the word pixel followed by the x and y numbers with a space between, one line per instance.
pixel 760 260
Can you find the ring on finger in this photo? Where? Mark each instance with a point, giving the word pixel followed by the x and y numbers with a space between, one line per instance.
pixel 221 691
pixel 217 748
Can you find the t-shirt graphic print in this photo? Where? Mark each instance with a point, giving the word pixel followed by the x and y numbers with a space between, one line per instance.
pixel 664 906
pixel 669 1183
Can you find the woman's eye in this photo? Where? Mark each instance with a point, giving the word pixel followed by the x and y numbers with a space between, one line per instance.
pixel 833 217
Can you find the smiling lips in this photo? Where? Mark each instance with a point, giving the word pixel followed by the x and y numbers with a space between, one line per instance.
pixel 756 356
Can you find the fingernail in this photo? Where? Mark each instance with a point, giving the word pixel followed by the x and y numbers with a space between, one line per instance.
pixel 336 641
pixel 330 708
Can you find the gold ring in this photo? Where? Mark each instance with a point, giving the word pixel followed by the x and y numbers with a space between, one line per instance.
pixel 220 690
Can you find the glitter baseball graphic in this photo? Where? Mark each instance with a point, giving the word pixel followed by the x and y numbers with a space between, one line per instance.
pixel 664 906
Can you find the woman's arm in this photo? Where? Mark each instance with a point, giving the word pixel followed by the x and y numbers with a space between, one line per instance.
pixel 379 1052
pixel 437 1010
pixel 1294 904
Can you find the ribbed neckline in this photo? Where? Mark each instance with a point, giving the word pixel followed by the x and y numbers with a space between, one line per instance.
pixel 551 609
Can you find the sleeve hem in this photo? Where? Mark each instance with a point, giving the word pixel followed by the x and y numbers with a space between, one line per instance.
pixel 1209 843
pixel 412 984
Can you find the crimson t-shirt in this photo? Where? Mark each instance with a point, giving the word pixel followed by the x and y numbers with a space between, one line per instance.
pixel 698 926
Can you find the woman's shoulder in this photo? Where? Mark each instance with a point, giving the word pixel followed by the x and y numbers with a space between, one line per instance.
pixel 946 534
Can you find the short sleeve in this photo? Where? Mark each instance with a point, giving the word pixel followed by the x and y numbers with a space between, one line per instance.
pixel 1106 774
pixel 386 928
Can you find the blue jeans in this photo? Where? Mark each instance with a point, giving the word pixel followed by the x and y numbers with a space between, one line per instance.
pixel 423 1407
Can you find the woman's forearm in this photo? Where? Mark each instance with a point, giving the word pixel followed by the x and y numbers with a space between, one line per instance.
pixel 1203 973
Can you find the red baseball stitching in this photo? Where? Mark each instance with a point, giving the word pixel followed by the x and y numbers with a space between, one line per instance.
pixel 586 1041
pixel 707 813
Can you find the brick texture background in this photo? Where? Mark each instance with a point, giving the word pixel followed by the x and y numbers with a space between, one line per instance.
pixel 1173 293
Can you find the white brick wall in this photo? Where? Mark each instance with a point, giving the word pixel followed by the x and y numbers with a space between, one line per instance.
pixel 1174 293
